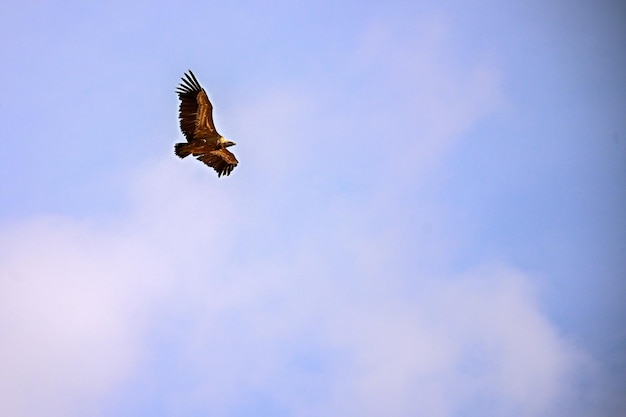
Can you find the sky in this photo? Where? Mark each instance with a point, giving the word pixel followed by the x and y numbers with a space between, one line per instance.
pixel 427 218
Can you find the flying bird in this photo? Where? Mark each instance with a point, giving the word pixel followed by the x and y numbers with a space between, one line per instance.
pixel 196 123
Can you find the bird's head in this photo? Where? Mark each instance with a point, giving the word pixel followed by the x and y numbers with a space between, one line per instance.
pixel 226 143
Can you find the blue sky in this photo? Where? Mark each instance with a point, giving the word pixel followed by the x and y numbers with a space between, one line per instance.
pixel 427 218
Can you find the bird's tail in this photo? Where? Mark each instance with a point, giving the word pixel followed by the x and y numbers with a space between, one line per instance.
pixel 182 149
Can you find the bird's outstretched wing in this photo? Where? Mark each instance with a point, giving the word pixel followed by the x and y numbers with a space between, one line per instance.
pixel 221 160
pixel 196 111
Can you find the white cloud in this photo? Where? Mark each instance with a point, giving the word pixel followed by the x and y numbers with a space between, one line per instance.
pixel 71 315
pixel 319 328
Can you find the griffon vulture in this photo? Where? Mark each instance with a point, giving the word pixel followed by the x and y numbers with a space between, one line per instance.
pixel 196 123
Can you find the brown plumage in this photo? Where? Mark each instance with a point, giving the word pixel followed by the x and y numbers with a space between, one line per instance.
pixel 196 123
